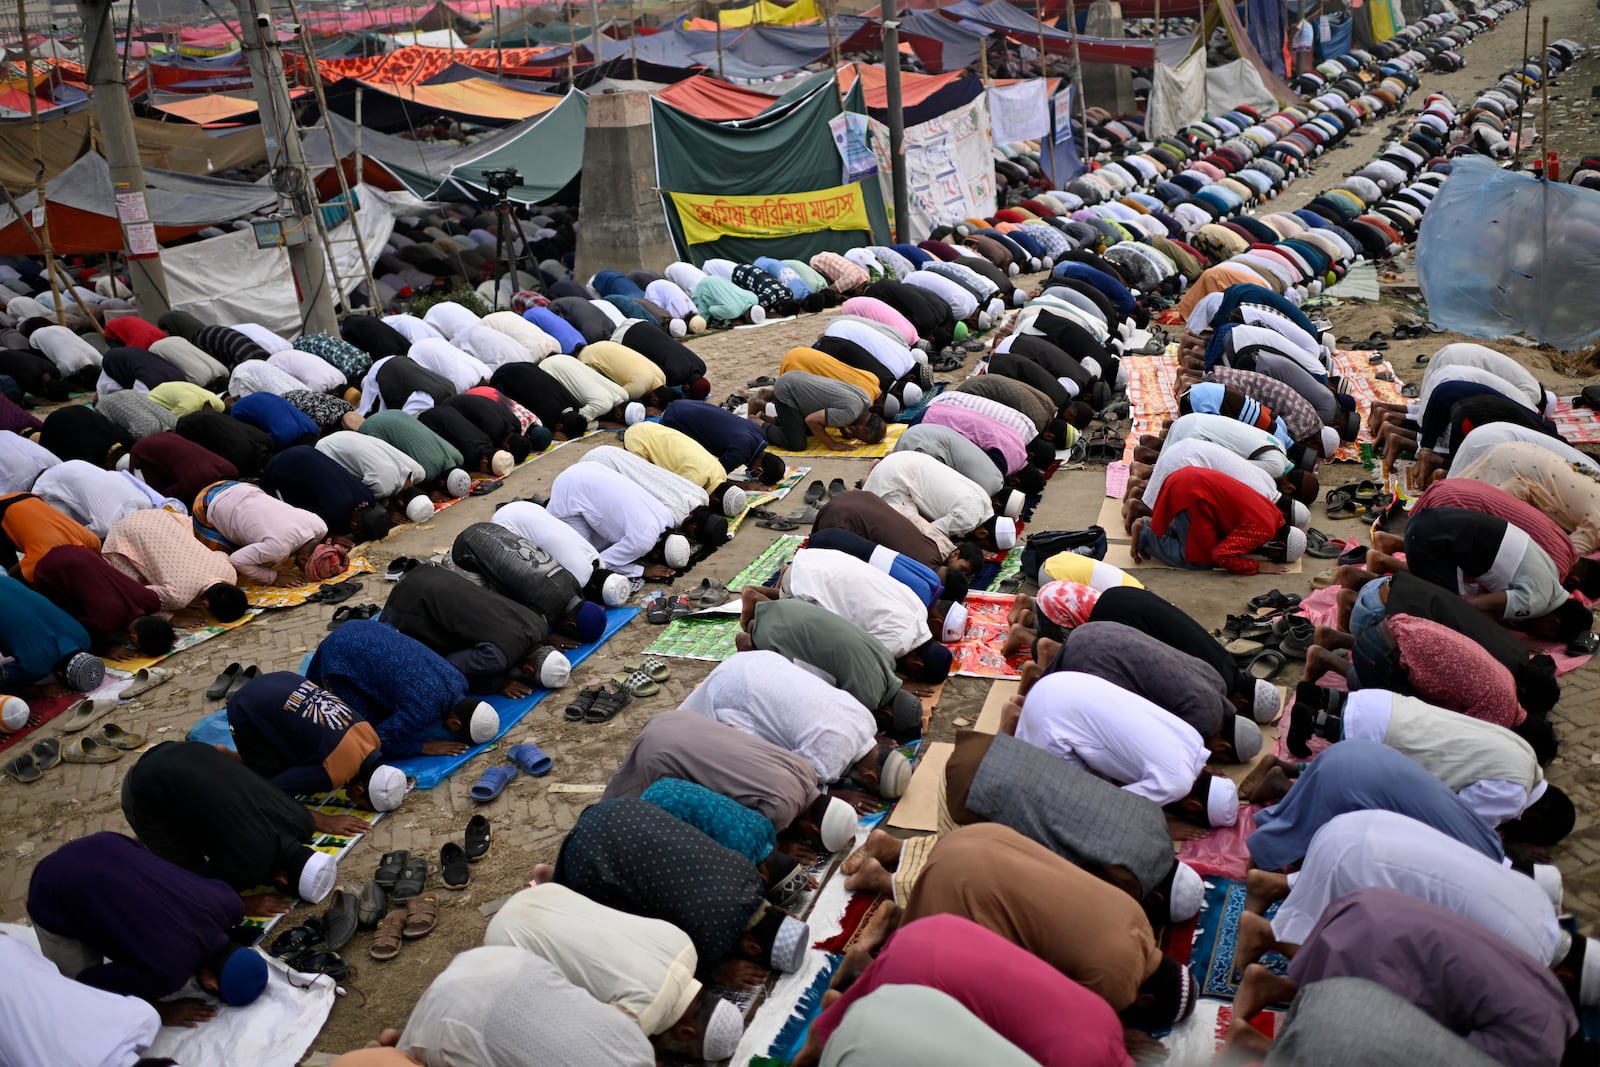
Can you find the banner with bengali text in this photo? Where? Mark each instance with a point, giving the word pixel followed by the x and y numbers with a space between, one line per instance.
pixel 709 217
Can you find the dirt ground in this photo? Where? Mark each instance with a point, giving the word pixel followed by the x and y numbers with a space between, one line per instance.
pixel 531 817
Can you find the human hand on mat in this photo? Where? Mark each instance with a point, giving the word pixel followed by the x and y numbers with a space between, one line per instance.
pixel 443 748
pixel 741 974
pixel 187 1012
pixel 864 803
pixel 342 825
pixel 267 904
pixel 1184 831
pixel 511 688
pixel 287 580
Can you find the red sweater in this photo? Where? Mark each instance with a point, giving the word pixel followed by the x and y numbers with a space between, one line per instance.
pixel 1226 518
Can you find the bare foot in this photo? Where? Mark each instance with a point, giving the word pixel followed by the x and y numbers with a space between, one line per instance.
pixel 871 878
pixel 1255 940
pixel 1031 672
pixel 1136 530
pixel 543 874
pixel 1260 989
pixel 883 923
pixel 880 846
pixel 1328 637
pixel 1017 639
pixel 1142 1047
pixel 1267 781
pixel 1244 1044
pixel 1262 888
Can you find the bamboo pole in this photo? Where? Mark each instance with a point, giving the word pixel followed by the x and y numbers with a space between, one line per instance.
pixel 716 12
pixel 1077 74
pixel 1516 144
pixel 499 45
pixel 38 159
pixel 1544 87
pixel 633 40
pixel 39 241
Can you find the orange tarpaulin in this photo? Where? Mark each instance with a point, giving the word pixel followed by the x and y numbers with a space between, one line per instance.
pixel 416 63
pixel 215 109
pixel 716 101
pixel 472 96
pixel 914 88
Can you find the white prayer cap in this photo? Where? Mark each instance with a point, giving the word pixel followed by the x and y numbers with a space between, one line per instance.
pixel 893 776
pixel 1589 982
pixel 14 712
pixel 419 509
pixel 615 591
pixel 1005 533
pixel 771 410
pixel 1222 802
pixel 723 1031
pixel 955 623
pixel 317 877
pixel 1296 541
pixel 758 313
pixel 911 394
pixel 1188 890
pixel 1548 878
pixel 839 824
pixel 1330 442
pixel 1549 404
pixel 387 787
pixel 553 668
pixel 500 463
pixel 1013 507
pixel 996 308
pixel 676 552
pixel 1266 704
pixel 789 945
pixel 124 461
pixel 458 482
pixel 1299 515
pixel 484 725
pixel 891 405
pixel 1246 738
pixel 633 413
pixel 676 328
pixel 733 501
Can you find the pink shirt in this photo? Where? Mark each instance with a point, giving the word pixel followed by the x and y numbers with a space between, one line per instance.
pixel 1018 995
pixel 1451 670
pixel 1488 499
pixel 872 308
pixel 268 529
pixel 982 431
pixel 158 547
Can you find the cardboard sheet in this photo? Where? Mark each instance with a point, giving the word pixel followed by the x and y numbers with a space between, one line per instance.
pixel 918 809
pixel 1000 694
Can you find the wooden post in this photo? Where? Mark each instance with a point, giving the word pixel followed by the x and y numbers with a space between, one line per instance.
pixel 38 160
pixel 572 45
pixel 1516 144
pixel 1077 75
pixel 716 12
pixel 499 45
pixel 633 40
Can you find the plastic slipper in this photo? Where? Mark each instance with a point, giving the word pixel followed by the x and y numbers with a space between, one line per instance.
pixel 88 750
pixel 115 736
pixel 398 568
pixel 681 607
pixel 711 593
pixel 579 708
pixel 1423 360
pixel 144 680
pixel 636 683
pixel 85 712
pixel 1275 599
pixel 371 905
pixel 413 878
pixel 654 666
pixel 337 593
pixel 1376 358
pixel 1264 664
pixel 223 682
pixel 658 610
pixel 386 942
pixel 421 916
pixel 492 783
pixel 1409 391
pixel 1242 648
pixel 1365 491
pixel 389 868
pixel 836 486
pixel 454 870
pixel 328 963
pixel 46 752
pixel 243 678
pixel 353 613
pixel 478 838
pixel 485 486
pixel 296 941
pixel 607 703
pixel 815 492
pixel 531 758
pixel 782 525
pixel 765 381
pixel 1321 546
pixel 24 768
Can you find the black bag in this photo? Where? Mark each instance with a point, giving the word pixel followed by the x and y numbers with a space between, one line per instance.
pixel 1046 543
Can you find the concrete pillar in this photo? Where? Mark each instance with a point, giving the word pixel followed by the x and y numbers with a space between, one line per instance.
pixel 1105 84
pixel 622 224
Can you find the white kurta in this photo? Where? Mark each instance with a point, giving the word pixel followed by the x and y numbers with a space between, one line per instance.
pixel 963 305
pixel 768 696
pixel 449 362
pixel 69 352
pixel 953 503
pixel 891 352
pixel 675 492
pixel 1362 849
pixel 259 376
pixel 537 526
pixel 642 967
pixel 491 347
pixel 610 512
pixel 21 461
pixel 319 375
pixel 596 394
pixel 1482 439
pixel 412 328
pixel 856 590
pixel 381 467
pixel 450 319
pixel 1502 366
pixel 538 343
pixel 47 1018
pixel 669 298
pixel 94 496
pixel 1198 453
pixel 1255 445
pixel 1110 732
pixel 684 275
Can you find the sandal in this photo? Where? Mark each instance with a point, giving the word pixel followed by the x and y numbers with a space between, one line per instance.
pixel 636 683
pixel 478 838
pixel 337 593
pixel 607 703
pixel 296 941
pixel 712 593
pixel 46 752
pixel 144 680
pixel 531 758
pixel 1423 360
pixel 328 963
pixel 85 712
pixel 836 487
pixel 1264 664
pixel 386 942
pixel 492 783
pixel 659 610
pixel 1320 546
pixel 778 523
pixel 1366 492
pixel 654 666
pixel 353 613
pixel 420 917
pixel 485 486
pixel 390 868
pixel 24 768
pixel 680 608
pixel 581 703
pixel 399 567
pixel 413 878
pixel 1275 600
pixel 453 868
pixel 88 750
pixel 815 492
pixel 109 734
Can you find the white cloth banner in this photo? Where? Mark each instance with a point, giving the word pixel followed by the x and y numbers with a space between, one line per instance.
pixel 950 168
pixel 1019 112
pixel 228 279
pixel 1238 83
pixel 1177 96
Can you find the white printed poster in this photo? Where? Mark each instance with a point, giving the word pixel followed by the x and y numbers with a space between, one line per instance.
pixel 950 168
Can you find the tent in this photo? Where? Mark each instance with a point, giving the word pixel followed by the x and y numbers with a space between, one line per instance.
pixel 393 108
pixel 175 146
pixel 83 211
pixel 943 44
pixel 764 12
pixel 1018 26
pixel 716 101
pixel 1183 93
pixel 771 185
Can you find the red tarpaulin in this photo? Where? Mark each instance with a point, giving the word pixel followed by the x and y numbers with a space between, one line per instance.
pixel 715 101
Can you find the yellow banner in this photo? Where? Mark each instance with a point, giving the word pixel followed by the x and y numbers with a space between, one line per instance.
pixel 708 218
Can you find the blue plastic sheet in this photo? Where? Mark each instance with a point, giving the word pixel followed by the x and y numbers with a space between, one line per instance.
pixel 1502 253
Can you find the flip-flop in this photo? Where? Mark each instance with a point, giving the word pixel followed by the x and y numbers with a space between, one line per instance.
pixel 337 593
pixel 531 758
pixel 478 838
pixel 815 492
pixel 88 750
pixel 46 752
pixel 485 486
pixel 1320 546
pixel 454 870
pixel 223 682
pixel 777 522
pixel 492 783
pixel 659 610
pixel 86 712
pixel 23 767
pixel 353 613
pixel 1264 664
pixel 115 736
pixel 837 486
pixel 1423 360
pixel 1275 600
pixel 144 680
pixel 399 567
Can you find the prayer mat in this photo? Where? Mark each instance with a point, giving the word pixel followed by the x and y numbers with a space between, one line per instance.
pixel 710 637
pixel 913 414
pixel 290 596
pixel 996 572
pixel 978 653
pixel 1223 851
pixel 1216 933
pixel 857 914
pixel 183 639
pixel 792 477
pixel 1117 479
pixel 857 450
pixel 1201 1036
pixel 1580 426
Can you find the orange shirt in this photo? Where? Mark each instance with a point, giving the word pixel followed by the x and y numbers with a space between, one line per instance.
pixel 825 366
pixel 35 527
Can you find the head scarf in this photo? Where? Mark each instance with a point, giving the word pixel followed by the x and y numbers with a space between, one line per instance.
pixel 1067 604
pixel 326 561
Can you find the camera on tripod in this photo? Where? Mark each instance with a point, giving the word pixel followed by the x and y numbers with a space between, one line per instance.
pixel 501 182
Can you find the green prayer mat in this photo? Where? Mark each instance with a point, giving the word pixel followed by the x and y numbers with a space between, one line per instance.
pixel 710 637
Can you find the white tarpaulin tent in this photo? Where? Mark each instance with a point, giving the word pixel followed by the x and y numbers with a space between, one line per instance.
pixel 1187 92
pixel 950 167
